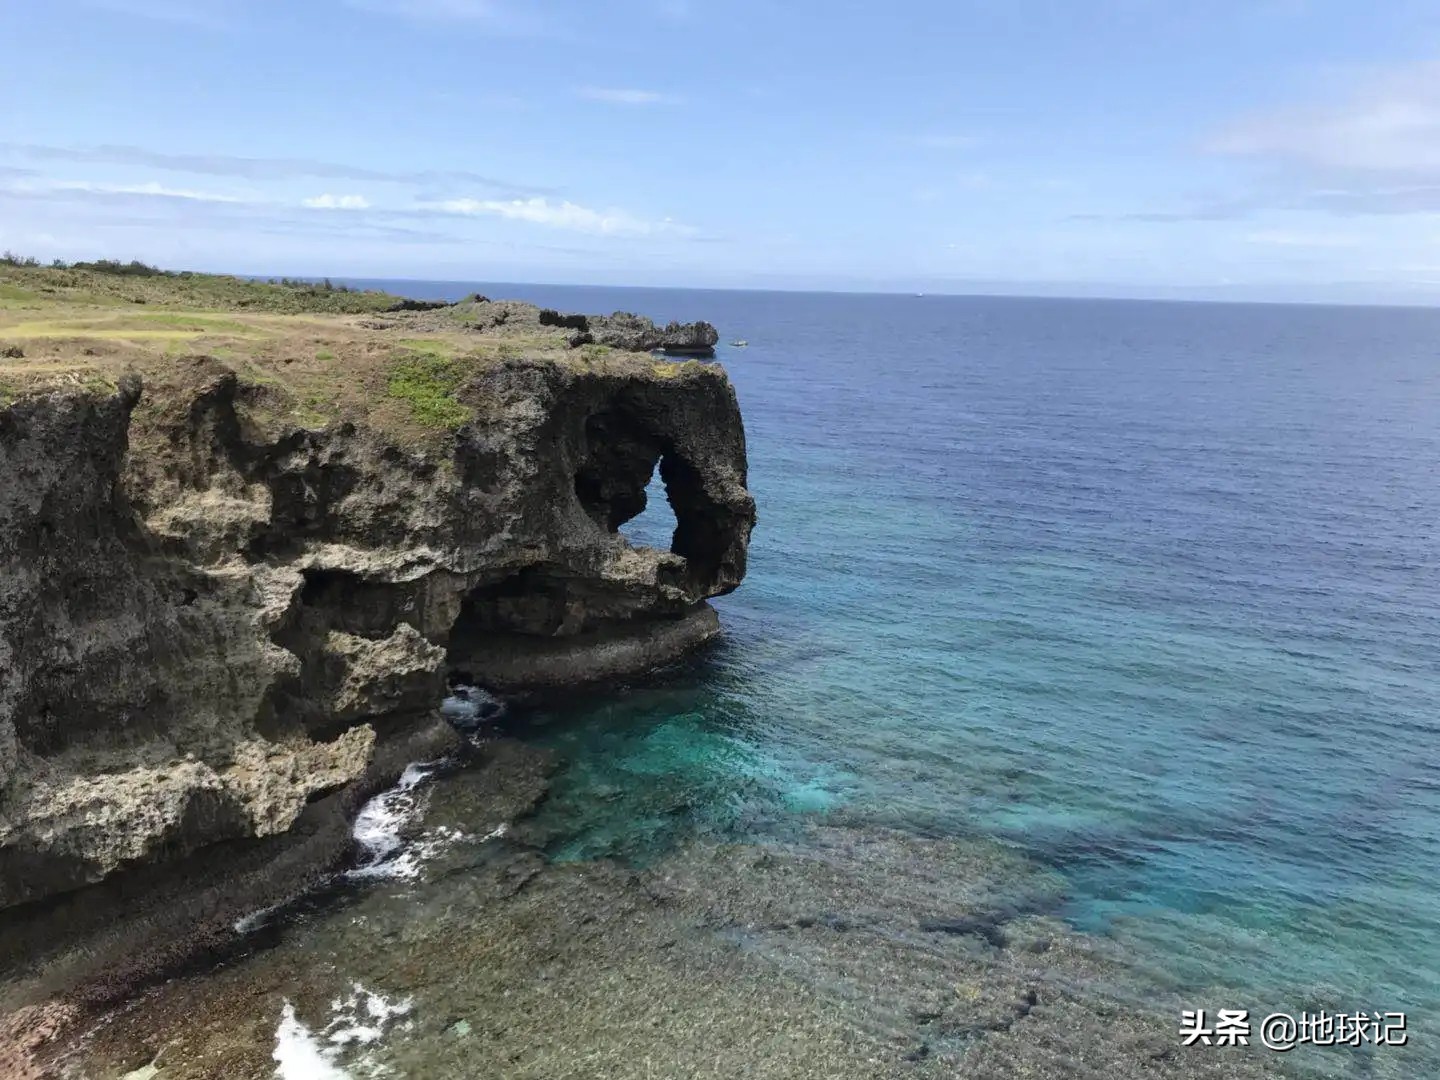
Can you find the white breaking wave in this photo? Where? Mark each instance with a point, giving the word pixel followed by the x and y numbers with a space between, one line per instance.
pixel 299 1055
pixel 360 1020
pixel 256 919
pixel 380 825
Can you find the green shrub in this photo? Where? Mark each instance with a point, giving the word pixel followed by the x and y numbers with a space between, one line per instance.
pixel 134 268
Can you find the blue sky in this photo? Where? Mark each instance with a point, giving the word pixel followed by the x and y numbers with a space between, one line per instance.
pixel 1264 148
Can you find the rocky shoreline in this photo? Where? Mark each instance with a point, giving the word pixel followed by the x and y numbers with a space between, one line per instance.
pixel 235 584
pixel 221 630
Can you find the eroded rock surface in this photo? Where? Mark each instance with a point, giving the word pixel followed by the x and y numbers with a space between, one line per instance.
pixel 209 620
pixel 623 330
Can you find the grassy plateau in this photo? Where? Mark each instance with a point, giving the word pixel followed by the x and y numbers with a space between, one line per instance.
pixel 316 353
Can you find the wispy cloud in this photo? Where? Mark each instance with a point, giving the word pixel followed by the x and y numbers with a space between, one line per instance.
pixel 155 206
pixel 206 14
pixel 560 215
pixel 943 187
pixel 107 203
pixel 257 168
pixel 431 9
pixel 502 16
pixel 1373 149
pixel 625 96
pixel 338 202
pixel 496 16
pixel 149 190
pixel 1388 126
pixel 947 142
pixel 1285 238
pixel 1218 211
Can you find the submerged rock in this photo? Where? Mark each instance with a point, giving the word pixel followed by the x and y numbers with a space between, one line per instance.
pixel 788 958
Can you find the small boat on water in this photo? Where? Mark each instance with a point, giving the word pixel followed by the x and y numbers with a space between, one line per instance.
pixel 740 344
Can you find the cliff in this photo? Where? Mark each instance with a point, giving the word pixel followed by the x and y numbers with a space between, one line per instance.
pixel 239 560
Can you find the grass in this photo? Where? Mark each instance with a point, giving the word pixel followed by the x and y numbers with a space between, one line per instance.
pixel 15 294
pixel 314 356
pixel 191 320
pixel 435 346
pixel 95 331
pixel 108 282
pixel 427 382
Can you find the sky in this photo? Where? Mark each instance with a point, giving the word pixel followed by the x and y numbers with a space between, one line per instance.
pixel 1241 149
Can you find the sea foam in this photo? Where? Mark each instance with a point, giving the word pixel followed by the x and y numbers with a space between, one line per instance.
pixel 360 1020
pixel 380 825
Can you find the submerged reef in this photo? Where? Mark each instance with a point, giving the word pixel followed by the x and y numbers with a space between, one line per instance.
pixel 841 949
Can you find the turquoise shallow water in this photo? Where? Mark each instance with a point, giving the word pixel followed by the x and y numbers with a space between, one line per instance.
pixel 1149 591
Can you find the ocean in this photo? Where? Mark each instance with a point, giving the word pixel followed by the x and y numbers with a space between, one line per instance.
pixel 1143 595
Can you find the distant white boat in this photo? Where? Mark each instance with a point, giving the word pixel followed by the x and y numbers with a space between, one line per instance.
pixel 739 344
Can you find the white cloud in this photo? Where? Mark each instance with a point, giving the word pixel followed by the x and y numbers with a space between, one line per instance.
pixel 560 215
pixel 625 96
pixel 1389 125
pixel 1372 149
pixel 338 202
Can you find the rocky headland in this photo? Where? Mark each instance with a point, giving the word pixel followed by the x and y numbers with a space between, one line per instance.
pixel 247 533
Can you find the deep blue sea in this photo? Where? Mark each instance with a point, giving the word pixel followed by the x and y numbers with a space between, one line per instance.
pixel 1150 591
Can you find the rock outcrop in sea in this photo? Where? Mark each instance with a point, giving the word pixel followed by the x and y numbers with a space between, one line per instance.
pixel 220 631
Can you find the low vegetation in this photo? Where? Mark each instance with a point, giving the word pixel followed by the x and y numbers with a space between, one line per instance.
pixel 426 381
pixel 109 281
pixel 313 353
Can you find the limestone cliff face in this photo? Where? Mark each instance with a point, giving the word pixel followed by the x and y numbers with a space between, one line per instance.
pixel 208 620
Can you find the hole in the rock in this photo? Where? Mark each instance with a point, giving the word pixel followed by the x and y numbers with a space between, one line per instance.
pixel 617 486
pixel 655 525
